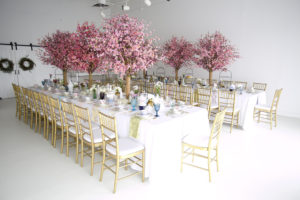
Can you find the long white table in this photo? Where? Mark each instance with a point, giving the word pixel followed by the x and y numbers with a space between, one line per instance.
pixel 161 136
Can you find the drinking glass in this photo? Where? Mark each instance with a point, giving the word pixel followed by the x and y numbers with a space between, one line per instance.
pixel 156 108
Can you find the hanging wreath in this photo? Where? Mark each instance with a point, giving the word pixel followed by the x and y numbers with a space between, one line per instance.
pixel 26 64
pixel 6 65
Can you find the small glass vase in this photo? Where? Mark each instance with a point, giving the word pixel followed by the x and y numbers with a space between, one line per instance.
pixel 94 94
pixel 133 103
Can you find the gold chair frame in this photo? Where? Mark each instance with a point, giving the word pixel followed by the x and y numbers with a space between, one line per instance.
pixel 243 83
pixel 213 145
pixel 203 96
pixel 83 115
pixel 18 96
pixel 58 122
pixel 268 114
pixel 226 100
pixel 48 115
pixel 39 114
pixel 259 86
pixel 70 121
pixel 109 123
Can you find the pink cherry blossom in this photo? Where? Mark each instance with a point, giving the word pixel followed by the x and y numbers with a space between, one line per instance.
pixel 178 52
pixel 126 46
pixel 214 52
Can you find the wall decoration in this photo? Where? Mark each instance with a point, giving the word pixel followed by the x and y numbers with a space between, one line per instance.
pixel 6 65
pixel 26 64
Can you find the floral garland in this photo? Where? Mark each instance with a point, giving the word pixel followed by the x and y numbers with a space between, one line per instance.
pixel 26 64
pixel 8 67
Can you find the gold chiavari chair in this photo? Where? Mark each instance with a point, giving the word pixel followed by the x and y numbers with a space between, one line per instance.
pixel 204 99
pixel 71 127
pixel 171 90
pixel 32 107
pixel 18 97
pixel 48 115
pixel 26 106
pixel 242 83
pixel 260 86
pixel 201 143
pixel 90 135
pixel 268 113
pixel 184 93
pixel 226 100
pixel 58 122
pixel 39 114
pixel 124 150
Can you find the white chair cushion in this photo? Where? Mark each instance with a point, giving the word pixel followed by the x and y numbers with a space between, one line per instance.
pixel 229 110
pixel 96 134
pixel 214 106
pixel 126 146
pixel 199 140
pixel 72 130
pixel 263 107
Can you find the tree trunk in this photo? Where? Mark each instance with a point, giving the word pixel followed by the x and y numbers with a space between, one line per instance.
pixel 90 79
pixel 144 73
pixel 210 77
pixel 127 89
pixel 65 77
pixel 176 73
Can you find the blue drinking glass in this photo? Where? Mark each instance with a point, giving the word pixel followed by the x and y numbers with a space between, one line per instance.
pixel 156 108
pixel 133 103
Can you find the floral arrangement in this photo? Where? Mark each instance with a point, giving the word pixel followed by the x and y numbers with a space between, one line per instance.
pixel 134 92
pixel 118 90
pixel 56 50
pixel 128 47
pixel 214 52
pixel 178 53
pixel 158 87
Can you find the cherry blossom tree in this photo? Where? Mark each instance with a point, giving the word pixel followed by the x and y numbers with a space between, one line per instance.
pixel 178 53
pixel 56 50
pixel 128 46
pixel 85 57
pixel 214 52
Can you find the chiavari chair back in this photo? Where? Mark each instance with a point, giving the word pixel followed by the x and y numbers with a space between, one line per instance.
pixel 242 83
pixel 171 90
pixel 226 100
pixel 259 86
pixel 39 114
pixel 268 114
pixel 124 150
pixel 194 144
pixel 90 134
pixel 18 96
pixel 58 121
pixel 32 106
pixel 203 98
pixel 71 127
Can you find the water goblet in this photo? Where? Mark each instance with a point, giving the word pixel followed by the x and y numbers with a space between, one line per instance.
pixel 156 108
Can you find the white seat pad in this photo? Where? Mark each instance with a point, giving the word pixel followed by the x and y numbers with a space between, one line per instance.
pixel 126 146
pixel 72 130
pixel 96 135
pixel 263 107
pixel 199 140
pixel 229 110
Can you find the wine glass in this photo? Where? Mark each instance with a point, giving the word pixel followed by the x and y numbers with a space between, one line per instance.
pixel 156 108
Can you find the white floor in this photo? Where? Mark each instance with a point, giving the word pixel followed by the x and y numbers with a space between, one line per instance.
pixel 255 164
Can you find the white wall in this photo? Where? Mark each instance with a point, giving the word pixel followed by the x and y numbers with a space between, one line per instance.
pixel 266 32
pixel 27 21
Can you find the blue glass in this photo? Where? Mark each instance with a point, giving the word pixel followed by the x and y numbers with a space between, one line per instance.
pixel 156 108
pixel 141 107
pixel 133 103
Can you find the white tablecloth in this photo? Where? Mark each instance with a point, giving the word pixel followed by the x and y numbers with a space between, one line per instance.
pixel 161 136
pixel 245 102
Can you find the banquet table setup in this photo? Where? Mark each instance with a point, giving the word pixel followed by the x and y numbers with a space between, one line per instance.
pixel 161 135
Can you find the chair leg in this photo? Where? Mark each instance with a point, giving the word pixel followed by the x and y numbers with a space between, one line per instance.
pixel 40 125
pixel 44 126
pixel 36 122
pixel 258 116
pixel 271 119
pixel 126 161
pixel 68 142
pixel 209 174
pixel 237 119
pixel 143 177
pixel 182 155
pixel 193 154
pixel 92 163
pixel 81 162
pixel 55 132
pixel 77 146
pixel 31 119
pixel 103 164
pixel 116 175
pixel 62 139
pixel 217 158
pixel 231 125
pixel 275 115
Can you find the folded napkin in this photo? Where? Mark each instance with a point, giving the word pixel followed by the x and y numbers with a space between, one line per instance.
pixel 134 126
